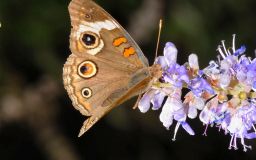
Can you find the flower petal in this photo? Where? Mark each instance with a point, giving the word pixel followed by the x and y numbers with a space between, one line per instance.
pixel 144 103
pixel 180 115
pixel 235 125
pixel 240 51
pixel 250 135
pixel 205 116
pixel 224 80
pixel 198 103
pixel 170 53
pixel 158 100
pixel 193 61
pixel 166 116
pixel 192 112
pixel 162 61
pixel 187 127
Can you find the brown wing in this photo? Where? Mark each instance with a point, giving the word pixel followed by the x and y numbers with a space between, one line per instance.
pixel 106 66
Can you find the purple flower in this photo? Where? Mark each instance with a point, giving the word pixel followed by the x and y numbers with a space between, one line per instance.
pixel 144 103
pixel 222 94
pixel 156 97
pixel 240 125
pixel 193 103
pixel 158 100
pixel 171 109
pixel 233 76
pixel 198 85
pixel 174 77
pixel 240 51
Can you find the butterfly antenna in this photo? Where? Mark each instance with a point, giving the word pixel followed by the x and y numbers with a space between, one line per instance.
pixel 159 35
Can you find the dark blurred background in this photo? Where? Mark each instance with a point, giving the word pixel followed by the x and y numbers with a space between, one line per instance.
pixel 37 120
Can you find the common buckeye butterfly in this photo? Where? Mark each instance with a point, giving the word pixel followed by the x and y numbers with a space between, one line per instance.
pixel 106 66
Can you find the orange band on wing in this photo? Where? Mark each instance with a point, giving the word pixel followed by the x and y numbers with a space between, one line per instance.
pixel 117 42
pixel 129 51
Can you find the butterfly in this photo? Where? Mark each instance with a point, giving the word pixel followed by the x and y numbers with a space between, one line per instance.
pixel 106 66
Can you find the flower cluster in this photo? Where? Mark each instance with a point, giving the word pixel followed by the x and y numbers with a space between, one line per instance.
pixel 223 93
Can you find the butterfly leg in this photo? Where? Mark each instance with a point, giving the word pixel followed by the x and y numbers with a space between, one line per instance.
pixel 137 102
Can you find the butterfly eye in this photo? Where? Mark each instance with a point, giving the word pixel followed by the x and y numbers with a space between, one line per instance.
pixel 87 69
pixel 90 40
pixel 86 92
